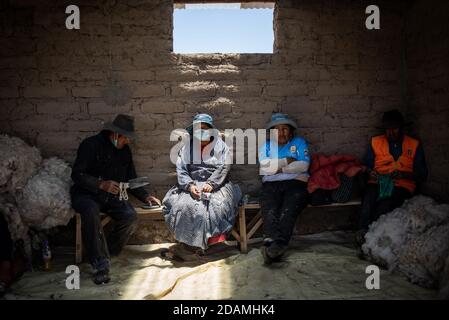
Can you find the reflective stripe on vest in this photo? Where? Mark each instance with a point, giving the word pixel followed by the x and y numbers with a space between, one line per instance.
pixel 384 162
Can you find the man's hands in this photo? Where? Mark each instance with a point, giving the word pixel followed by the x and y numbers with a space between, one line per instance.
pixel 151 199
pixel 113 187
pixel 110 186
pixel 196 192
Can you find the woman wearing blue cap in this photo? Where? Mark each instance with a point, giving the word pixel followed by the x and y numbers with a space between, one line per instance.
pixel 284 163
pixel 201 209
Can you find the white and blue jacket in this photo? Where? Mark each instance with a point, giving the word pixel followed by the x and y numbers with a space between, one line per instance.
pixel 271 162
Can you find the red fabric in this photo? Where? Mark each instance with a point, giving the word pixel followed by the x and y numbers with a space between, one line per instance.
pixel 216 239
pixel 324 170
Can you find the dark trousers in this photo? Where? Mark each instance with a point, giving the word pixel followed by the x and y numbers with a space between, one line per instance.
pixel 372 208
pixel 281 202
pixel 97 246
pixel 6 243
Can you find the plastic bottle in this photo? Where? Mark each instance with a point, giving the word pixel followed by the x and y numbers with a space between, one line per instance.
pixel 46 255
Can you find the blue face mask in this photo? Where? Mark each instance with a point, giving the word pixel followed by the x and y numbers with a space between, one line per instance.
pixel 202 135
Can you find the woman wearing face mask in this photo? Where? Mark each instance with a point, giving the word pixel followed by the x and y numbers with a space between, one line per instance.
pixel 201 209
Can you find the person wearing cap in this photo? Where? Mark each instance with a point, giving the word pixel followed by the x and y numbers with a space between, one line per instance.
pixel 201 209
pixel 284 163
pixel 396 165
pixel 103 161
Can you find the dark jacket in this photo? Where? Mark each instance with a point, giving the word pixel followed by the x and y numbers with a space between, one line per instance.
pixel 97 159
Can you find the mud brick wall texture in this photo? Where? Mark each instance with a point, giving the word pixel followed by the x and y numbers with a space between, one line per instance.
pixel 427 33
pixel 328 71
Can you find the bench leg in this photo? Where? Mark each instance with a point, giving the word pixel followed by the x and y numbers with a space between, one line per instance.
pixel 79 241
pixel 242 230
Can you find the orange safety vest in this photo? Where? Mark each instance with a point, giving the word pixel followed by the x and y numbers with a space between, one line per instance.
pixel 384 162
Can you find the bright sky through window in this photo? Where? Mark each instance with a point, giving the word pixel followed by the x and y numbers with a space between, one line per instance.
pixel 223 28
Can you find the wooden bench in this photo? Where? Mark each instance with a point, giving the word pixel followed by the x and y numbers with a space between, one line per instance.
pixel 245 231
pixel 242 231
pixel 148 214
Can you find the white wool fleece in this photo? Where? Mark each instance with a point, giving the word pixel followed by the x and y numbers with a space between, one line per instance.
pixel 45 201
pixel 18 163
pixel 414 241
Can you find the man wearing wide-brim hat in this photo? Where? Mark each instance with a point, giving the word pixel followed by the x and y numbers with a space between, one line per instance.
pixel 396 164
pixel 104 161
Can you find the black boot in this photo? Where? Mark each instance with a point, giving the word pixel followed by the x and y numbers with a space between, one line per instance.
pixel 266 258
pixel 101 277
pixel 272 251
pixel 276 250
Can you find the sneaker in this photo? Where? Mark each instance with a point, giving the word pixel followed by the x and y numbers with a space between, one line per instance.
pixel 101 277
pixel 276 251
pixel 266 258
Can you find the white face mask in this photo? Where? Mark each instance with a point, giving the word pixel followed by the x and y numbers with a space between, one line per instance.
pixel 115 140
pixel 202 135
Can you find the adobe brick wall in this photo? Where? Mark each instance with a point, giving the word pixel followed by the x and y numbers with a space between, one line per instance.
pixel 329 72
pixel 427 36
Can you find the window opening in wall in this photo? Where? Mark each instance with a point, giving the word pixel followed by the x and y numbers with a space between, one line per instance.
pixel 223 27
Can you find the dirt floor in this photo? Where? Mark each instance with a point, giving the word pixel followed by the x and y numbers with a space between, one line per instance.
pixel 322 266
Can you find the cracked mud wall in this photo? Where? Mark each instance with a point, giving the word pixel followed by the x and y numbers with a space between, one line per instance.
pixel 336 78
pixel 327 71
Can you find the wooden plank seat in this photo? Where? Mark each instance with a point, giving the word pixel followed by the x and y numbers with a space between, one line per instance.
pixel 245 231
pixel 148 214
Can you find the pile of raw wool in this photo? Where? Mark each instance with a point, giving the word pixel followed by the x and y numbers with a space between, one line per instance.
pixel 18 163
pixel 33 193
pixel 414 241
pixel 45 200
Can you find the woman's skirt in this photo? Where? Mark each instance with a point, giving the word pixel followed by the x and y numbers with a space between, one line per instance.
pixel 193 221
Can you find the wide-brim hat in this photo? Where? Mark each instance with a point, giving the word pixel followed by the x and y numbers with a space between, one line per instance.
pixel 201 118
pixel 393 119
pixel 280 118
pixel 123 124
